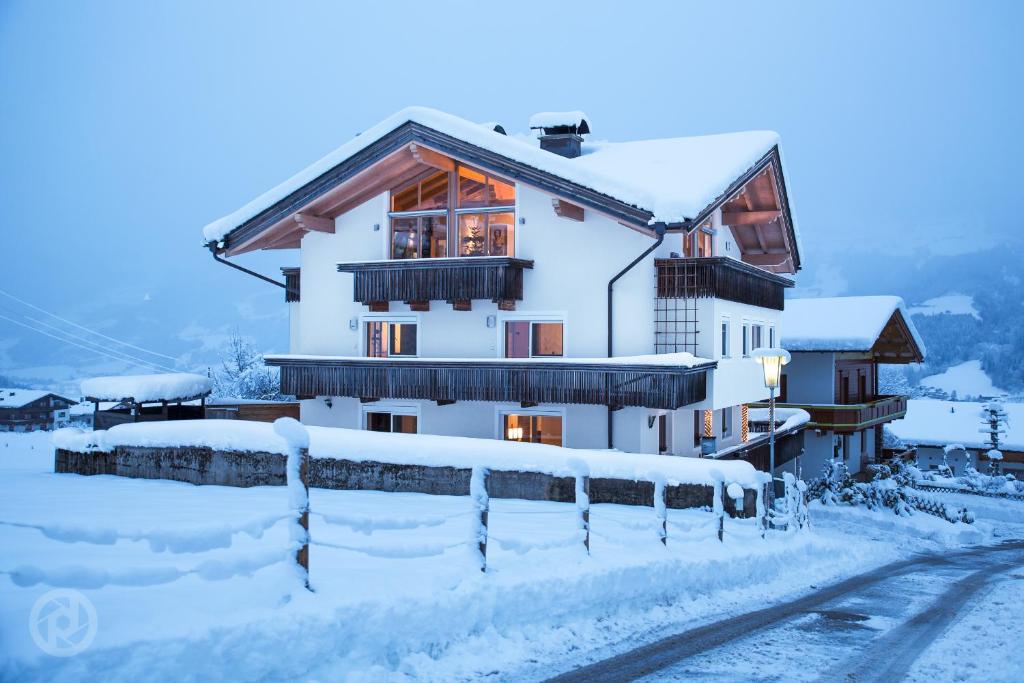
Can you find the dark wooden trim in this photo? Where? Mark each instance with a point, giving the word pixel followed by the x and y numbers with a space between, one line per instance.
pixel 292 282
pixel 788 445
pixel 459 280
pixel 508 381
pixel 722 278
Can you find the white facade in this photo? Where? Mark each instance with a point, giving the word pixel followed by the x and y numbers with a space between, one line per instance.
pixel 573 262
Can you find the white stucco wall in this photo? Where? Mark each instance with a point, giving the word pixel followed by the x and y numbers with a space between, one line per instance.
pixel 810 378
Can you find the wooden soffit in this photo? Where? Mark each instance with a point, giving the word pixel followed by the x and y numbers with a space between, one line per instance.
pixel 896 343
pixel 759 218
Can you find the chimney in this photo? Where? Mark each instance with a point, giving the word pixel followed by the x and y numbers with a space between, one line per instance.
pixel 561 132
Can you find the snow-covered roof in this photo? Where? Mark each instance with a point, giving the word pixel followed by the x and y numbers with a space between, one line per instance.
pixel 17 398
pixel 939 423
pixel 844 323
pixel 174 386
pixel 674 179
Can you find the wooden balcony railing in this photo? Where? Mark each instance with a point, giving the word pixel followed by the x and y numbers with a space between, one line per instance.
pixel 515 381
pixel 498 278
pixel 850 417
pixel 291 284
pixel 720 278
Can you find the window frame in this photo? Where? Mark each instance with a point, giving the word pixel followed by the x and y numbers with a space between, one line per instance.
pixel 453 212
pixel 393 409
pixel 514 409
pixel 746 339
pixel 725 429
pixel 531 317
pixel 725 343
pixel 392 318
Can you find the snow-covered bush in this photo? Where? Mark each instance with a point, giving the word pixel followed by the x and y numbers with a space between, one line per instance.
pixel 891 488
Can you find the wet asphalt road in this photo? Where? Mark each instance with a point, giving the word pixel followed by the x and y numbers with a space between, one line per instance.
pixel 871 627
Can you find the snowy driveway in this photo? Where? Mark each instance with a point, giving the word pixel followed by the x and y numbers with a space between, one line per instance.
pixel 889 624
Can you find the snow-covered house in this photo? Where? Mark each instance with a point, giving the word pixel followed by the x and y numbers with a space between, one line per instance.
pixel 455 280
pixel 146 398
pixel 931 426
pixel 837 345
pixel 29 410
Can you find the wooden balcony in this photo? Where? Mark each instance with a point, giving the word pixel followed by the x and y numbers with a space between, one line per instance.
pixel 720 278
pixel 497 278
pixel 848 418
pixel 616 384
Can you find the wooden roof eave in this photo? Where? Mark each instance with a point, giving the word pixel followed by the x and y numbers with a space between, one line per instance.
pixel 898 350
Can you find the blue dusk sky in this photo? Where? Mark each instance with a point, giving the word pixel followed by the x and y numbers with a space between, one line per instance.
pixel 126 126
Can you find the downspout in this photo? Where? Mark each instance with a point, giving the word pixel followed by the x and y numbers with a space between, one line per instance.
pixel 659 230
pixel 212 246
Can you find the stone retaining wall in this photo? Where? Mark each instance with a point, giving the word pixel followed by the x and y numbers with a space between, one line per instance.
pixel 201 465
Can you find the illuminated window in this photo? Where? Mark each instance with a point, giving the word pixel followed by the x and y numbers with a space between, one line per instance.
pixel 463 213
pixel 527 339
pixel 699 242
pixel 546 429
pixel 386 338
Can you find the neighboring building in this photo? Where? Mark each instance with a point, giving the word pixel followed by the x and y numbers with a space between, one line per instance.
pixel 30 410
pixel 837 345
pixel 146 398
pixel 454 280
pixel 930 426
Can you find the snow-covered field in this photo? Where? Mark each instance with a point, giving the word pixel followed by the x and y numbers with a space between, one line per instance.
pixel 194 582
pixel 966 379
pixel 952 303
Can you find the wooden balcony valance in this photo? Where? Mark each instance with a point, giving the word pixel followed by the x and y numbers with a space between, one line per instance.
pixel 497 278
pixel 612 384
pixel 721 278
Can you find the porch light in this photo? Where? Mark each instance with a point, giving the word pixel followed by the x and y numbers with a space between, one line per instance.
pixel 771 361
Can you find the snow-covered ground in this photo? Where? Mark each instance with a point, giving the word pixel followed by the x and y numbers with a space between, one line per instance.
pixel 966 379
pixel 952 303
pixel 191 581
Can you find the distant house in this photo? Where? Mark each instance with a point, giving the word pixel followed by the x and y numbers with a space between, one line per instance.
pixel 30 410
pixel 930 426
pixel 837 345
pixel 146 398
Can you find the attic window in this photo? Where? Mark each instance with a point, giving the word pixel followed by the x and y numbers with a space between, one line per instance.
pixel 463 213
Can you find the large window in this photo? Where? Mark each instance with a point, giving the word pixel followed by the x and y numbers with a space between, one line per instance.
pixel 397 421
pixel 463 213
pixel 530 339
pixel 545 429
pixel 700 242
pixel 386 338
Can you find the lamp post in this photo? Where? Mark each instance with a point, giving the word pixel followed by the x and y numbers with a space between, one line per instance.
pixel 771 361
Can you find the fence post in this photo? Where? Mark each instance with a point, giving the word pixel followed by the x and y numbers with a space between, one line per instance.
pixel 762 510
pixel 718 503
pixel 297 476
pixel 482 503
pixel 583 507
pixel 661 508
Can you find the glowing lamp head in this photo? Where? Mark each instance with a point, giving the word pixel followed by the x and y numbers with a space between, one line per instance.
pixel 771 361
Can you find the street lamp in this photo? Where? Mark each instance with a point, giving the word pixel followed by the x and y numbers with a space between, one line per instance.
pixel 771 361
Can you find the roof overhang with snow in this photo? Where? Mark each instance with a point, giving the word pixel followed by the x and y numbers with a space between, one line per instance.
pixel 872 325
pixel 721 168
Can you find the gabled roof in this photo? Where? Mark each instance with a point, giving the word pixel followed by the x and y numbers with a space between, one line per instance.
pixel 18 398
pixel 675 181
pixel 867 324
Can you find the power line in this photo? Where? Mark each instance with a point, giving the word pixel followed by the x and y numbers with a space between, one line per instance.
pixel 81 327
pixel 89 341
pixel 142 364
